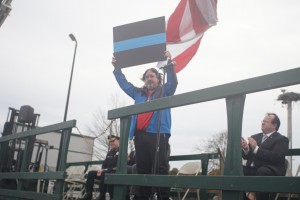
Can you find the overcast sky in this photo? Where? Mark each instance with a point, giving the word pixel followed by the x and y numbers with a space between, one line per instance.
pixel 252 38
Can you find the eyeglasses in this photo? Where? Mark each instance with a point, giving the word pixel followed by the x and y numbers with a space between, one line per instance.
pixel 266 122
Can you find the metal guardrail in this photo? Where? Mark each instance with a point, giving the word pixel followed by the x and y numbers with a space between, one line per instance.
pixel 233 181
pixel 65 128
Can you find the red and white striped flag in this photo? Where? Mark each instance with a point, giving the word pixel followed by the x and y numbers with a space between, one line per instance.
pixel 186 27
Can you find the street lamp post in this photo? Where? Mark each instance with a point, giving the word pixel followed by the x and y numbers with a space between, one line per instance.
pixel 70 83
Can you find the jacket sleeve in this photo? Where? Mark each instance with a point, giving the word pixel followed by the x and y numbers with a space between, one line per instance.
pixel 104 164
pixel 172 82
pixel 249 155
pixel 274 153
pixel 126 86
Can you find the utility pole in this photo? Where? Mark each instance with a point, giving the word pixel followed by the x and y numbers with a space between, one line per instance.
pixel 287 98
pixel 289 132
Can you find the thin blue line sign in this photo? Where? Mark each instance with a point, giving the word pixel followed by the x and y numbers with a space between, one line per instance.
pixel 140 42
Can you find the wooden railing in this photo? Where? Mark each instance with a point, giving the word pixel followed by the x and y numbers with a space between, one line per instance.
pixel 65 128
pixel 233 181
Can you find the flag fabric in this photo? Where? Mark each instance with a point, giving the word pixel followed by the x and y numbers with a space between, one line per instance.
pixel 186 26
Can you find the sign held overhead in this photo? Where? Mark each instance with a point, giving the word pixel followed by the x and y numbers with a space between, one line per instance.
pixel 140 42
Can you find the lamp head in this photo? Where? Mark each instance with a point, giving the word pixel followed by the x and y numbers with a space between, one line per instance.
pixel 72 37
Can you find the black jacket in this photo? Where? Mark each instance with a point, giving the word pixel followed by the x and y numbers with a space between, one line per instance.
pixel 271 153
pixel 110 162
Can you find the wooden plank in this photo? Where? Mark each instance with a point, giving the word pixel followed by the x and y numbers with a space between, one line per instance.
pixel 28 195
pixel 41 130
pixel 230 183
pixel 247 86
pixel 33 175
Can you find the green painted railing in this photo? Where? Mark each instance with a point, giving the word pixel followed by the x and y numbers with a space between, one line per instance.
pixel 233 181
pixel 65 129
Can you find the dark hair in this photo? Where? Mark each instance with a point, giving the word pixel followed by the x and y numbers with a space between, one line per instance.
pixel 275 120
pixel 158 75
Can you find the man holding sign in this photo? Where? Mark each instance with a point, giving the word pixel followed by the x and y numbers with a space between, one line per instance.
pixel 151 131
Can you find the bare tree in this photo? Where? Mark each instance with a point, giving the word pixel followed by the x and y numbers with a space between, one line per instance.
pixel 100 127
pixel 216 144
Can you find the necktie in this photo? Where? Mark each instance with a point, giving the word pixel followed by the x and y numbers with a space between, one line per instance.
pixel 264 138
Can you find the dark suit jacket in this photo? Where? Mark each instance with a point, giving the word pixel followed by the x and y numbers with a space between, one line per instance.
pixel 110 162
pixel 271 153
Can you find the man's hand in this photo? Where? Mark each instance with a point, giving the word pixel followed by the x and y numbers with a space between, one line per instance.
pixel 245 146
pixel 99 172
pixel 252 143
pixel 168 55
pixel 113 62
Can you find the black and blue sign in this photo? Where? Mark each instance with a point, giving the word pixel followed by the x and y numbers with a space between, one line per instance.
pixel 140 42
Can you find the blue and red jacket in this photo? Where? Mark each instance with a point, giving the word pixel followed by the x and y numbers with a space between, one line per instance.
pixel 139 96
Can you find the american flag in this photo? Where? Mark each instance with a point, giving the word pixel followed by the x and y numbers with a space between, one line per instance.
pixel 186 26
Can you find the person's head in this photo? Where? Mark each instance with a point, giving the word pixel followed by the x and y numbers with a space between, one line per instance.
pixel 152 79
pixel 270 123
pixel 114 141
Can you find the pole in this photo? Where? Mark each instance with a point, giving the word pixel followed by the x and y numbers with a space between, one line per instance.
pixel 70 83
pixel 289 131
